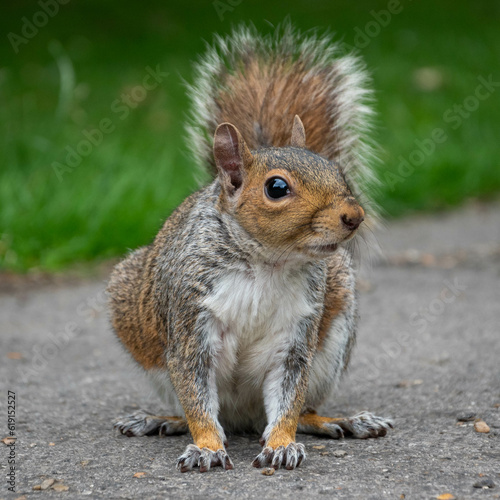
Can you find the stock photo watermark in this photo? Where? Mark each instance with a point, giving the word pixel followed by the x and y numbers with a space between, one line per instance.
pixel 362 35
pixel 380 20
pixel 454 117
pixel 222 7
pixel 120 107
pixel 31 27
pixel 10 441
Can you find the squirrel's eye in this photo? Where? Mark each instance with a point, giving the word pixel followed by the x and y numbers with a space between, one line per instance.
pixel 276 187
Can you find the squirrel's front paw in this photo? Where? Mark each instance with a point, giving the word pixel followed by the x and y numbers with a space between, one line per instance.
pixel 204 458
pixel 290 457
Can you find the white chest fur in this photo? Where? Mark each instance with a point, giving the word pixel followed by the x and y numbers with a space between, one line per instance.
pixel 255 313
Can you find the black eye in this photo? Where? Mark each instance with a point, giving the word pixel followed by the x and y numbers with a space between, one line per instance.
pixel 276 187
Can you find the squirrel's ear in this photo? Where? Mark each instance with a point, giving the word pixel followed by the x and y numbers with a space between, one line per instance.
pixel 298 139
pixel 231 154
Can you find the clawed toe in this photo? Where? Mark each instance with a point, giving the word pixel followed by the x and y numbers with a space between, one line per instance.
pixel 334 430
pixel 290 457
pixel 138 423
pixel 366 425
pixel 143 423
pixel 203 458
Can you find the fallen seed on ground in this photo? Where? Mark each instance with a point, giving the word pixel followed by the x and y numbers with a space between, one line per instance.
pixel 47 483
pixel 268 471
pixel 60 487
pixel 481 426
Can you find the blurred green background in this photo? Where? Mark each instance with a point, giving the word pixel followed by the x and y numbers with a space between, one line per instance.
pixel 64 77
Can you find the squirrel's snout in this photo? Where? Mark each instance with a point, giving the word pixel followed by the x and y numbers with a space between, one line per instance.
pixel 339 220
pixel 352 223
pixel 353 218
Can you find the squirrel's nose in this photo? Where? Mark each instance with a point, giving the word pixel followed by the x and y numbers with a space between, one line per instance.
pixel 352 220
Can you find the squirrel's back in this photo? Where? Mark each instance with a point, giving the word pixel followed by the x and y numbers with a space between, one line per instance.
pixel 259 83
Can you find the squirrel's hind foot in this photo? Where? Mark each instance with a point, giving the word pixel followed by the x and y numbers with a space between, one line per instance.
pixel 143 423
pixel 363 425
pixel 204 458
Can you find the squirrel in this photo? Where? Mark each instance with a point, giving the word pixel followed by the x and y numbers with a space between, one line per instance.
pixel 243 310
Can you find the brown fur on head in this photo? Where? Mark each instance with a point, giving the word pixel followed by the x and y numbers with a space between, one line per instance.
pixel 285 197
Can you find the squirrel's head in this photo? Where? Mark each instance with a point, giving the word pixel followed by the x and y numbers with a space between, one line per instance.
pixel 287 198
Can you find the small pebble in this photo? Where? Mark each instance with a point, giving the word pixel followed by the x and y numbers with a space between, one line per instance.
pixel 60 487
pixel 485 483
pixel 466 417
pixel 47 483
pixel 481 426
pixel 339 453
pixel 268 471
pixel 319 447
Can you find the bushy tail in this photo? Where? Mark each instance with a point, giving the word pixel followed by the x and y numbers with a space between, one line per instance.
pixel 259 83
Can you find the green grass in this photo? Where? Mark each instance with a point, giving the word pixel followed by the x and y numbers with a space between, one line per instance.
pixel 65 79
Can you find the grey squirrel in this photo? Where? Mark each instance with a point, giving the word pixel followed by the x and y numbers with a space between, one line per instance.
pixel 243 309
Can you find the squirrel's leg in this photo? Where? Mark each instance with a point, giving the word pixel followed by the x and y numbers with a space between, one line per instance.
pixel 284 395
pixel 194 384
pixel 336 338
pixel 363 425
pixel 143 423
pixel 208 449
